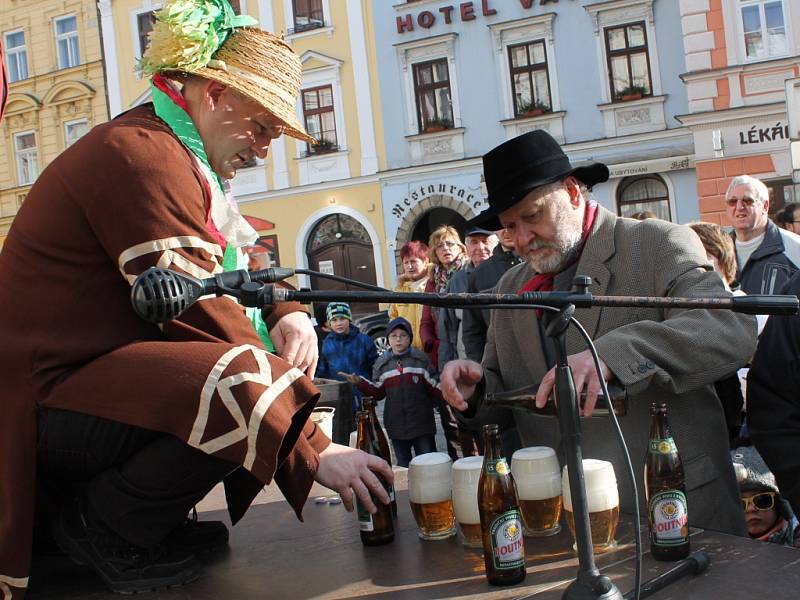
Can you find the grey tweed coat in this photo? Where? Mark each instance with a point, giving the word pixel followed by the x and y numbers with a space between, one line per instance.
pixel 673 355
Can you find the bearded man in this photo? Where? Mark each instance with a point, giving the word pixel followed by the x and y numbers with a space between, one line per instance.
pixel 672 355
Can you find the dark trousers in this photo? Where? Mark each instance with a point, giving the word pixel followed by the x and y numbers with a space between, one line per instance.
pixel 421 445
pixel 140 483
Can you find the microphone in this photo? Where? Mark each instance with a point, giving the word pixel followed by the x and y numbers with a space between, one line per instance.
pixel 160 295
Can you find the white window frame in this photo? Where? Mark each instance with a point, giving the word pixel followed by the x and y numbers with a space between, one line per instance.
pixel 740 45
pixel 329 75
pixel 425 50
pixel 67 37
pixel 622 12
pixel 71 124
pixel 28 152
pixel 524 31
pixel 288 11
pixel 18 53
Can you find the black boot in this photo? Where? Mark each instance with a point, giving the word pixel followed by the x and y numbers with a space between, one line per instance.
pixel 124 567
pixel 198 537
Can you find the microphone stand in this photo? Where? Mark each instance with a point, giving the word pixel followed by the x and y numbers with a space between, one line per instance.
pixel 589 583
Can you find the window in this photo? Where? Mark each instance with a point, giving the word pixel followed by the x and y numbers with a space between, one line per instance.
pixel 764 28
pixel 67 42
pixel 144 25
pixel 75 130
pixel 432 92
pixel 319 117
pixel 27 158
pixel 628 61
pixel 648 192
pixel 307 15
pixel 16 56
pixel 529 82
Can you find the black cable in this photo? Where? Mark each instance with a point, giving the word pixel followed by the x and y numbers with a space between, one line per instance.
pixel 366 286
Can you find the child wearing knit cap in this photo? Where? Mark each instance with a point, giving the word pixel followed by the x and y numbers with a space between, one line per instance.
pixel 769 517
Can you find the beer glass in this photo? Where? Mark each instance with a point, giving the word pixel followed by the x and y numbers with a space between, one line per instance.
pixel 538 478
pixel 466 475
pixel 429 489
pixel 602 500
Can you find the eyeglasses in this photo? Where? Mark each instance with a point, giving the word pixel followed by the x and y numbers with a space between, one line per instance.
pixel 762 501
pixel 748 202
pixel 443 245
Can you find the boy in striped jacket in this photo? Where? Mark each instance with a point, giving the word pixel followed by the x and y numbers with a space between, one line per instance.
pixel 407 379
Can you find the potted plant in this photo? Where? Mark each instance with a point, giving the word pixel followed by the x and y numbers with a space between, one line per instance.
pixel 632 92
pixel 436 124
pixel 323 146
pixel 534 108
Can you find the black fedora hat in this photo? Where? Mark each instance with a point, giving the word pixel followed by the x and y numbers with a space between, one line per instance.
pixel 522 164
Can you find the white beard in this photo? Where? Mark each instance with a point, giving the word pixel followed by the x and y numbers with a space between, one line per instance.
pixel 569 231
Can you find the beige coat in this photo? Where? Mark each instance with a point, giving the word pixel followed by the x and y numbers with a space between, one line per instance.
pixel 673 355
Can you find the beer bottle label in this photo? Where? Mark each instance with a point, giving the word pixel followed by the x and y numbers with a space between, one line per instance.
pixel 497 467
pixel 505 531
pixel 669 518
pixel 662 446
pixel 365 522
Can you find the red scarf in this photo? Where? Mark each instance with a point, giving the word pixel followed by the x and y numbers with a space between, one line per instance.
pixel 543 282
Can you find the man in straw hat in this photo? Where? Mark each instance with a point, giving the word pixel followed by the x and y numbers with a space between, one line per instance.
pixel 122 426
pixel 673 355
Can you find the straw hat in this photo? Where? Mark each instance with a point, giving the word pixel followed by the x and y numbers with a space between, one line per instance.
pixel 205 38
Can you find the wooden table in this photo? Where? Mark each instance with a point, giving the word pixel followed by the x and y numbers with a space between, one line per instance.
pixel 272 555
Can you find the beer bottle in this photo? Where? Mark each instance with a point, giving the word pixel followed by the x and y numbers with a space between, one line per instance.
pixel 376 529
pixel 665 491
pixel 501 521
pixel 381 442
pixel 524 398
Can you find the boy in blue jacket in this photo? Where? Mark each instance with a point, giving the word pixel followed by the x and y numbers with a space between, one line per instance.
pixel 345 349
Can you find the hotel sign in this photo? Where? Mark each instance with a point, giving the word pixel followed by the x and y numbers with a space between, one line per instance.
pixel 645 167
pixel 464 11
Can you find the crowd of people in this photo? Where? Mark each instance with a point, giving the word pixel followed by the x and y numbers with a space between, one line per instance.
pixel 118 427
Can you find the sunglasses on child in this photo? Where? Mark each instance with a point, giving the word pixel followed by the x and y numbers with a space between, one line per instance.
pixel 762 501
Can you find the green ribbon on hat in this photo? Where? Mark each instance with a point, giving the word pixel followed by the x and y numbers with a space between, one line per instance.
pixel 187 33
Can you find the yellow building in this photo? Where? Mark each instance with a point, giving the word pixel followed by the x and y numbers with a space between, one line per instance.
pixel 316 207
pixel 56 90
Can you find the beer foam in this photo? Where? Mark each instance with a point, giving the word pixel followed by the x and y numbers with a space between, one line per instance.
pixel 430 478
pixel 430 458
pixel 534 453
pixel 465 504
pixel 601 486
pixel 538 489
pixel 468 463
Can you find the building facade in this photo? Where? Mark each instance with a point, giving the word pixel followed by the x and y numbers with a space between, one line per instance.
pixel 459 78
pixel 56 89
pixel 743 64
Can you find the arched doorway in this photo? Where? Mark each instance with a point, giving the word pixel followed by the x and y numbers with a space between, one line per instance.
pixel 339 245
pixel 436 217
pixel 645 193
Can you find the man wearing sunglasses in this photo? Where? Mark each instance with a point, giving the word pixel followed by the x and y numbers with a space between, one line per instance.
pixel 768 515
pixel 766 256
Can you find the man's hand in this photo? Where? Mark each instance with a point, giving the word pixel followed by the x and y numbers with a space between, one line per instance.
pixel 458 381
pixel 350 472
pixel 348 377
pixel 296 342
pixel 584 374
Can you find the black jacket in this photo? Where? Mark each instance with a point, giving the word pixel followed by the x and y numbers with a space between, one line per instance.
pixel 483 278
pixel 771 265
pixel 773 399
